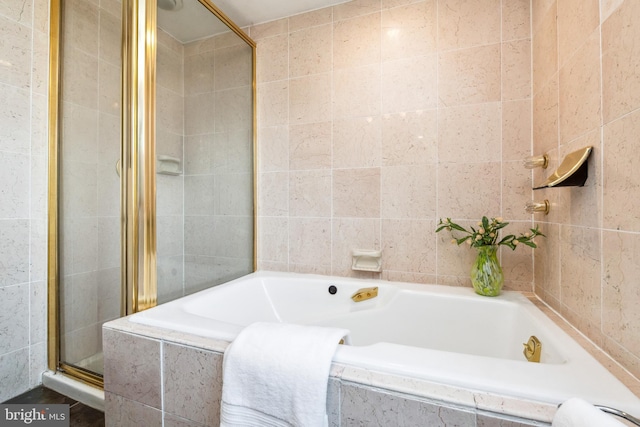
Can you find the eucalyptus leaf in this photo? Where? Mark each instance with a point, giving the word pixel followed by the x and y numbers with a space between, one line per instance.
pixel 456 227
pixel 489 235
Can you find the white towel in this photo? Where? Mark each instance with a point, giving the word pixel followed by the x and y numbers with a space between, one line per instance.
pixel 576 412
pixel 276 374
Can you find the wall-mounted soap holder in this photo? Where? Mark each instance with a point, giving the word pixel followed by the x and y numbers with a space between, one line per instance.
pixel 572 172
pixel 168 165
pixel 366 260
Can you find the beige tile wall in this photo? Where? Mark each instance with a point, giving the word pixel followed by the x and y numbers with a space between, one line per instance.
pixel 170 188
pixel 218 175
pixel 377 117
pixel 24 60
pixel 204 119
pixel 601 219
pixel 586 93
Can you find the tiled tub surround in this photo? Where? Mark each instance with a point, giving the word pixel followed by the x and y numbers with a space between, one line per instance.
pixel 357 376
pixel 154 375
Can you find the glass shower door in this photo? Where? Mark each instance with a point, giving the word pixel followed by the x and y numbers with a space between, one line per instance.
pixel 88 184
pixel 181 217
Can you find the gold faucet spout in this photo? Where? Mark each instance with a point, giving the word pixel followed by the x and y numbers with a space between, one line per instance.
pixel 365 294
pixel 532 349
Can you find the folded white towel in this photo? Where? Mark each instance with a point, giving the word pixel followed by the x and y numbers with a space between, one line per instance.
pixel 276 374
pixel 576 412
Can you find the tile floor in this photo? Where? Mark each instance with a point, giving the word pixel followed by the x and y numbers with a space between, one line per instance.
pixel 81 415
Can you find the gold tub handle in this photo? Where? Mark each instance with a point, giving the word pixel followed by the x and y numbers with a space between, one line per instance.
pixel 365 294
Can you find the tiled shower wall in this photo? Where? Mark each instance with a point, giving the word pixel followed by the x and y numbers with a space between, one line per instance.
pixel 170 188
pixel 24 66
pixel 218 226
pixel 376 118
pixel 587 93
pixel 204 119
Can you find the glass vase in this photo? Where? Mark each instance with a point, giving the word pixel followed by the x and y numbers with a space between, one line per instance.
pixel 486 274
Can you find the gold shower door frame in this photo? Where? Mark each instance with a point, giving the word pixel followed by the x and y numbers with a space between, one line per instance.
pixel 137 167
pixel 138 204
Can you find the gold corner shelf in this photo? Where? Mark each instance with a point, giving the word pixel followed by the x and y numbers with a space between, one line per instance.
pixel 572 172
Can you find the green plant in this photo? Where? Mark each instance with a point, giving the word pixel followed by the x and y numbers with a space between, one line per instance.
pixel 487 234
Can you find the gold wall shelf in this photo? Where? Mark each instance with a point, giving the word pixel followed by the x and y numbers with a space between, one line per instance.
pixel 572 171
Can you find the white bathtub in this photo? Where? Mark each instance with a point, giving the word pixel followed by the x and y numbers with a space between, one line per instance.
pixel 437 333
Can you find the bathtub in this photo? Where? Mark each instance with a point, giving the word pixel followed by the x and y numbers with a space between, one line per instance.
pixel 441 334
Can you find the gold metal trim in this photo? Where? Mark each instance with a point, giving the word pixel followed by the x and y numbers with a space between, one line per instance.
pixel 255 154
pixel 83 375
pixel 138 154
pixel 147 158
pixel 240 33
pixel 53 326
pixel 229 23
pixel 127 118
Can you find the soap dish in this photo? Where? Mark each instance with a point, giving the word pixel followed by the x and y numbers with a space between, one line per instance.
pixel 571 172
pixel 168 165
pixel 367 260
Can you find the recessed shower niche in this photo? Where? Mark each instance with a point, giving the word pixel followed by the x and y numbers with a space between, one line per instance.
pixel 151 163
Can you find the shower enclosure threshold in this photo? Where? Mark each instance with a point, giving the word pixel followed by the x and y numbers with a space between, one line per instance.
pixel 77 390
pixel 93 363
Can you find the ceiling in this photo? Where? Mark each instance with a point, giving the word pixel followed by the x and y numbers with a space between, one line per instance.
pixel 192 21
pixel 250 12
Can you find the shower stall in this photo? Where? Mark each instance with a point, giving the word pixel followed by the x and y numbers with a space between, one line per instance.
pixel 152 140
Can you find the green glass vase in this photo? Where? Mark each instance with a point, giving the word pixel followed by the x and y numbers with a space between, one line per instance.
pixel 486 274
